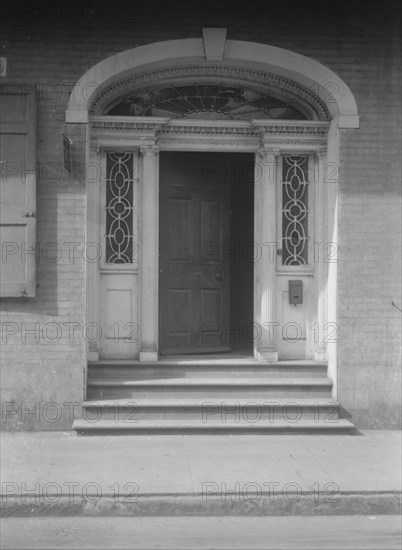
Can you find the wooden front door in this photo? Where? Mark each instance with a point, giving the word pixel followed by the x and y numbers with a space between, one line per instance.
pixel 193 244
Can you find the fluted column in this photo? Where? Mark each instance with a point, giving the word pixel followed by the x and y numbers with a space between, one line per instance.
pixel 149 254
pixel 320 275
pixel 265 268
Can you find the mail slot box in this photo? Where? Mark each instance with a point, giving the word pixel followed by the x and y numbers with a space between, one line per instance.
pixel 295 292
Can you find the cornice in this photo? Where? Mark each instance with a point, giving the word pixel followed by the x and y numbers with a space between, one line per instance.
pixel 150 125
pixel 302 127
pixel 141 124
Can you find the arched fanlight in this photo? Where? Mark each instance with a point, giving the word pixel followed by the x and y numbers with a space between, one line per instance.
pixel 207 100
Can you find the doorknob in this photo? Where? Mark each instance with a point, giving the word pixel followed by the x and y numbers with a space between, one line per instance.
pixel 219 276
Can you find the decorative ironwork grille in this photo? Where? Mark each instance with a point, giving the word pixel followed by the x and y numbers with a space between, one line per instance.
pixel 119 208
pixel 295 210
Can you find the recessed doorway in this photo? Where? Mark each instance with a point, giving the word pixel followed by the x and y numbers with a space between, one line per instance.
pixel 206 252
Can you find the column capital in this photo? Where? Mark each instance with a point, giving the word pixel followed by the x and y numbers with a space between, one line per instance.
pixel 268 151
pixel 149 148
pixel 321 153
pixel 94 148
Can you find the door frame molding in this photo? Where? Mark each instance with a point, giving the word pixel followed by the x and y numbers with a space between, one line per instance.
pixel 267 139
pixel 301 70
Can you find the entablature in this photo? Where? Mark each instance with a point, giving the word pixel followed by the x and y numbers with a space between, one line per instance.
pixel 168 134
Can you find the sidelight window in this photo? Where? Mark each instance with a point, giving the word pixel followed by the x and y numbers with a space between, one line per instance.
pixel 119 207
pixel 295 210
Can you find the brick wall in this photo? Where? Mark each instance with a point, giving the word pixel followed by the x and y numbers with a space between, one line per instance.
pixel 51 45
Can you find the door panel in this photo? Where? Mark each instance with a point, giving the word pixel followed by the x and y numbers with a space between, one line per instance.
pixel 180 234
pixel 194 275
pixel 294 334
pixel 212 223
pixel 119 328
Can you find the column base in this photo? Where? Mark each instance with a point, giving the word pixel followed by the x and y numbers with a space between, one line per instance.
pixel 93 352
pixel 148 355
pixel 320 355
pixel 266 355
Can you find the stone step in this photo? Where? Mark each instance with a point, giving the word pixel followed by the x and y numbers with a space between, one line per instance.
pixel 191 427
pixel 202 368
pixel 214 394
pixel 208 388
pixel 205 411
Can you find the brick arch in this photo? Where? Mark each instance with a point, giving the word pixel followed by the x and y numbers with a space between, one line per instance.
pixel 302 70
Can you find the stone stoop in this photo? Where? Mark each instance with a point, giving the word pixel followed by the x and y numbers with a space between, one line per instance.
pixel 182 396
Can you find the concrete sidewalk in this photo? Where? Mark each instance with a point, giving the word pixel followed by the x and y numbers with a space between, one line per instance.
pixel 203 533
pixel 58 473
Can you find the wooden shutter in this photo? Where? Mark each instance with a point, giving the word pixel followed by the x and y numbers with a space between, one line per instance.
pixel 18 193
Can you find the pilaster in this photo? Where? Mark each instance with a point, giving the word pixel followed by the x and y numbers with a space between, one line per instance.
pixel 265 236
pixel 321 275
pixel 149 268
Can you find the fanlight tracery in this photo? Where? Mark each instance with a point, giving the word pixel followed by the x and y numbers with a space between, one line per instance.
pixel 207 100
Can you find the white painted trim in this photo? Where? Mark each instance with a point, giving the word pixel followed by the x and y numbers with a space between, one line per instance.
pixel 325 83
pixel 265 277
pixel 149 254
pixel 332 213
pixel 92 236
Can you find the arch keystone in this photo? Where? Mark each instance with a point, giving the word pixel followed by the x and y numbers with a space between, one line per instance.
pixel 214 43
